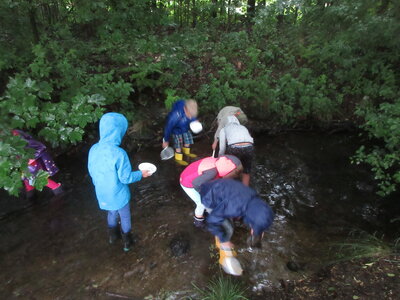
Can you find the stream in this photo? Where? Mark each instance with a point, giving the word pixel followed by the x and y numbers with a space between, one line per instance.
pixel 57 248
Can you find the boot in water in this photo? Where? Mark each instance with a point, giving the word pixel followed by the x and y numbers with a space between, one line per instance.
pixel 58 191
pixel 113 234
pixel 186 151
pixel 127 240
pixel 179 159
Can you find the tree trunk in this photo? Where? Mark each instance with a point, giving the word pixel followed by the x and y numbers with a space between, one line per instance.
pixel 194 13
pixel 280 21
pixel 383 7
pixel 251 7
pixel 228 25
pixel 180 13
pixel 153 5
pixel 214 9
pixel 222 8
pixel 296 14
pixel 32 20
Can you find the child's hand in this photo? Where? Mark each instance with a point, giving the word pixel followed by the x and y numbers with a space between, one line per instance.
pixel 165 145
pixel 146 173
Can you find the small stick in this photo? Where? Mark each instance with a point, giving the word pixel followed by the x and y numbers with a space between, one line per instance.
pixel 119 296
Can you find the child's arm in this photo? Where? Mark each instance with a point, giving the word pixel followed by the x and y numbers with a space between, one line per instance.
pixel 171 122
pixel 205 177
pixel 215 226
pixel 222 142
pixel 124 170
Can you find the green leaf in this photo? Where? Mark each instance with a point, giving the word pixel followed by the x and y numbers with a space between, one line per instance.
pixel 96 99
pixel 40 180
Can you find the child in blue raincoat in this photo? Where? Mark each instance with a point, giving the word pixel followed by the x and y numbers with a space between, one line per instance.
pixel 177 128
pixel 227 199
pixel 111 173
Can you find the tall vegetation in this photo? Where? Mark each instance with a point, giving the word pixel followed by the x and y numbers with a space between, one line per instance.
pixel 293 62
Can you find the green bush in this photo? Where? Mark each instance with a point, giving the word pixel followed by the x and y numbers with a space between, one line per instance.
pixel 382 124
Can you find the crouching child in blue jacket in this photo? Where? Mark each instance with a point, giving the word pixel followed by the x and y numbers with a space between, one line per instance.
pixel 228 198
pixel 111 173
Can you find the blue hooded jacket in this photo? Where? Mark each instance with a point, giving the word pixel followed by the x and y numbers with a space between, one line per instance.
pixel 177 121
pixel 109 165
pixel 230 198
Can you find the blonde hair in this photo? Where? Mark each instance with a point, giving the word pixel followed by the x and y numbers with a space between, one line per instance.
pixel 191 106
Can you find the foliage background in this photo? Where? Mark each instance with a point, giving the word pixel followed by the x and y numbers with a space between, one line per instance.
pixel 288 63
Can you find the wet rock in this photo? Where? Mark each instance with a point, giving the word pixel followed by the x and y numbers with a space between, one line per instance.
pixel 284 284
pixel 364 187
pixel 152 265
pixel 179 244
pixel 294 266
pixel 140 269
pixel 129 274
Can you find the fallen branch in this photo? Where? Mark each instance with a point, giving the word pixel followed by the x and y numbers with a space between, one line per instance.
pixel 116 295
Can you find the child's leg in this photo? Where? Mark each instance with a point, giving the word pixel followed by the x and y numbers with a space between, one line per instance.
pixel 112 218
pixel 247 159
pixel 52 184
pixel 28 187
pixel 125 216
pixel 30 190
pixel 187 141
pixel 245 154
pixel 55 187
pixel 178 143
pixel 246 179
pixel 195 196
pixel 113 229
pixel 199 211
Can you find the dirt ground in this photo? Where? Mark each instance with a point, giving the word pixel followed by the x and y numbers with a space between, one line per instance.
pixel 360 279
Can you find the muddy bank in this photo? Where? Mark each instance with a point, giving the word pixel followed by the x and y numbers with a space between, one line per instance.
pixel 376 278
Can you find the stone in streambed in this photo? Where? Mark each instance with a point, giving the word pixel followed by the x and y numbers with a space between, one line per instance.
pixel 179 245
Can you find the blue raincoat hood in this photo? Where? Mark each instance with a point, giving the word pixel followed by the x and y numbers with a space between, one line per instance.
pixel 258 215
pixel 113 127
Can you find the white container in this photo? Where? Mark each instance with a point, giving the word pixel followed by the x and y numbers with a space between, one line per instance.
pixel 196 127
pixel 147 167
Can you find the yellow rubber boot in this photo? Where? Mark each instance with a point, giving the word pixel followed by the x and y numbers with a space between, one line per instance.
pixel 186 151
pixel 179 159
pixel 217 242
pixel 229 263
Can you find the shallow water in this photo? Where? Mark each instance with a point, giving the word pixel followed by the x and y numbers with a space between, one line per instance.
pixel 57 248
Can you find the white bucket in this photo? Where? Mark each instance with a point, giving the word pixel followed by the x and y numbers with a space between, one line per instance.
pixel 196 127
pixel 147 167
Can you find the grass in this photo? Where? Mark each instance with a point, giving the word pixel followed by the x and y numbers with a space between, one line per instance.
pixel 361 244
pixel 222 288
